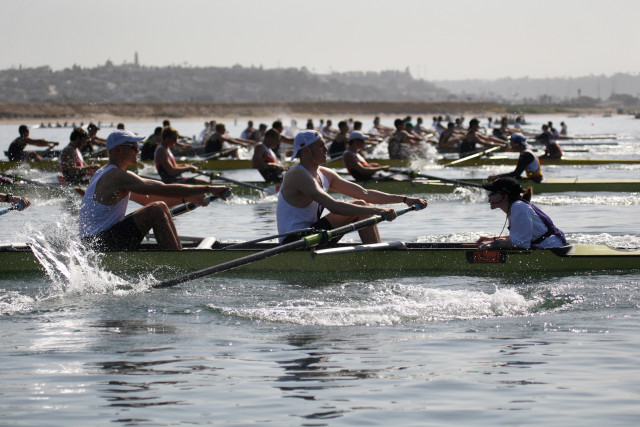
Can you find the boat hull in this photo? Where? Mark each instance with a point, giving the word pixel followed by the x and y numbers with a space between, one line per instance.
pixel 349 262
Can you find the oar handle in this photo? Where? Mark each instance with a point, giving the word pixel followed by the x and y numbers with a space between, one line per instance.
pixel 326 235
pixel 301 232
pixel 15 207
pixel 189 206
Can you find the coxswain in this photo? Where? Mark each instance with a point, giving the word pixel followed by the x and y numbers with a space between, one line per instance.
pixel 265 160
pixel 73 168
pixel 16 152
pixel 527 161
pixel 304 194
pixel 529 227
pixel 102 221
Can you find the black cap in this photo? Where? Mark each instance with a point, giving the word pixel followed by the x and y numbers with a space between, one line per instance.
pixel 92 127
pixel 505 185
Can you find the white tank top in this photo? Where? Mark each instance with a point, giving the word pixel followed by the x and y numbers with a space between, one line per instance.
pixel 291 218
pixel 95 217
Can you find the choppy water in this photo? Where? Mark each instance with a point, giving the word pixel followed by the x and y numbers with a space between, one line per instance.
pixel 84 347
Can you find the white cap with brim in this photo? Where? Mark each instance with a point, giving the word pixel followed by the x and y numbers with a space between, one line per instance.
pixel 119 137
pixel 357 135
pixel 304 139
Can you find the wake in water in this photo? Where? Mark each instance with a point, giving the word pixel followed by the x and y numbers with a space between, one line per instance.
pixel 379 304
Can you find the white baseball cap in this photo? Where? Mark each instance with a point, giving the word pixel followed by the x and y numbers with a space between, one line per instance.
pixel 357 135
pixel 304 139
pixel 119 137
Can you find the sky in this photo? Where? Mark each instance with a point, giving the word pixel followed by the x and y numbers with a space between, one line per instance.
pixel 436 40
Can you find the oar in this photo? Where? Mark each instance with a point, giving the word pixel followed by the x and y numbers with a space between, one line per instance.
pixel 12 208
pixel 215 155
pixel 306 242
pixel 214 175
pixel 189 206
pixel 301 232
pixel 60 188
pixel 414 174
pixel 473 156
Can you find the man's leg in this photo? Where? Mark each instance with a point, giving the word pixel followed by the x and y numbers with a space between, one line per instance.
pixel 157 216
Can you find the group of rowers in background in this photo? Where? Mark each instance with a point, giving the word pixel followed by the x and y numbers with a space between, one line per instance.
pixel 304 193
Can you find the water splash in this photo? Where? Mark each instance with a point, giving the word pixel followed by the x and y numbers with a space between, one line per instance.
pixel 72 268
pixel 13 302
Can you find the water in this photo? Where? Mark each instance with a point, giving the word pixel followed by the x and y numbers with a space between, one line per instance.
pixel 85 347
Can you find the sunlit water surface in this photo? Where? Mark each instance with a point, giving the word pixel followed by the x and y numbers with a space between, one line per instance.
pixel 83 346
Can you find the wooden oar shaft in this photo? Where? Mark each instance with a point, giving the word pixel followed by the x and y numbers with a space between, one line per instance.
pixel 305 242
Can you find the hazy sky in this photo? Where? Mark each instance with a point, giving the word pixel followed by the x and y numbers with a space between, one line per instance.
pixel 447 39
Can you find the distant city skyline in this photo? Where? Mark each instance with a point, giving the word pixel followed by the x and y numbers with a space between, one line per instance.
pixel 466 40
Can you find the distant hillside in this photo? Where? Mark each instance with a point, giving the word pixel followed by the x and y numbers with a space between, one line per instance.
pixel 132 83
pixel 550 90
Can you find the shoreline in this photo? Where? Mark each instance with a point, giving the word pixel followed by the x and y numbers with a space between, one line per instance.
pixel 13 113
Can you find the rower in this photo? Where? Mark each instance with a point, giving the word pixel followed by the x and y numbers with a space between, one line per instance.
pixel 304 194
pixel 148 150
pixel 450 138
pixel 19 202
pixel 529 227
pixel 402 143
pixel 328 131
pixel 357 166
pixel 563 129
pixel 181 138
pixel 339 143
pixel 248 132
pixel 102 220
pixel 379 129
pixel 16 151
pixel 277 125
pixel 73 168
pixel 215 143
pixel 94 139
pixel 552 148
pixel 527 161
pixel 168 169
pixel 473 137
pixel 265 160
